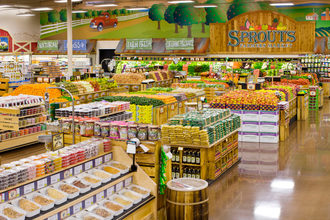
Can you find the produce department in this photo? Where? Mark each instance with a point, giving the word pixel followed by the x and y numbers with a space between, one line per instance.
pixel 177 110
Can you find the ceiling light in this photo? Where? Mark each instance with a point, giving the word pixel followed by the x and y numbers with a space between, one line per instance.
pixel 183 1
pixel 106 5
pixel 282 4
pixel 65 1
pixel 4 6
pixel 26 14
pixel 206 6
pixel 136 9
pixel 78 11
pixel 42 9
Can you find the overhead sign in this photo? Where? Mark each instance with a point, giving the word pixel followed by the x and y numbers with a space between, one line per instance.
pixel 179 43
pixel 139 44
pixel 76 45
pixel 48 45
pixel 4 44
pixel 262 32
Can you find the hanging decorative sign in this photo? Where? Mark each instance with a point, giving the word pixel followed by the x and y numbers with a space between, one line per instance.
pixel 4 44
pixel 48 45
pixel 262 32
pixel 76 45
pixel 251 35
pixel 179 44
pixel 139 44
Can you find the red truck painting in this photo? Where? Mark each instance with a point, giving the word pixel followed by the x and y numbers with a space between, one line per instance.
pixel 103 21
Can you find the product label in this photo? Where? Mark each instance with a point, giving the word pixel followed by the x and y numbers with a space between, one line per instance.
pixel 28 188
pixel 54 178
pixel 41 183
pixel 89 202
pixel 88 165
pixel 78 169
pixel 77 208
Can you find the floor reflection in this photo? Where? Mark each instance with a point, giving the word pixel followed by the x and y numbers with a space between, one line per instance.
pixel 287 181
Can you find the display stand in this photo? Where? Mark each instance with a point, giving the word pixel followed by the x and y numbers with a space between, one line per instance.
pixel 215 159
pixel 21 134
pixel 142 210
pixel 302 111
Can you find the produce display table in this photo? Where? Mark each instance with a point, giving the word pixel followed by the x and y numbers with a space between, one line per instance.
pixel 302 111
pixel 213 161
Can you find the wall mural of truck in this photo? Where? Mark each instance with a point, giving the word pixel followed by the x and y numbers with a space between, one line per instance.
pixel 104 20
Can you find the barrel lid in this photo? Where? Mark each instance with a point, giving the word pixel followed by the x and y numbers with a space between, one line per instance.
pixel 187 184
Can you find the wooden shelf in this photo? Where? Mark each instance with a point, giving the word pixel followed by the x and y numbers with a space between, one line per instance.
pixel 16 110
pixel 229 148
pixel 106 115
pixel 187 164
pixel 50 174
pixel 26 116
pixel 20 141
pixel 208 146
pixel 25 126
pixel 80 198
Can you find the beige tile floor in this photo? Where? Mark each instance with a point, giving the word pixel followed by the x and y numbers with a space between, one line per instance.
pixel 289 181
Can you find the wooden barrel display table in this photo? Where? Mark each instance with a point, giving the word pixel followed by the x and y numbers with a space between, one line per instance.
pixel 187 199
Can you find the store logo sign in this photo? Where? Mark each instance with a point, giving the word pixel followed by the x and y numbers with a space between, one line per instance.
pixel 48 45
pixel 262 36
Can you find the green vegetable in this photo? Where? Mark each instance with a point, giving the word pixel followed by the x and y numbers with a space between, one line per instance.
pixel 133 100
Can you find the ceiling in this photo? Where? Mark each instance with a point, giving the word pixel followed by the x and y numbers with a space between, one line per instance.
pixel 21 4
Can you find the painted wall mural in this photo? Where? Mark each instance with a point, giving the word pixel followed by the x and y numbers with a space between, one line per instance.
pixel 173 21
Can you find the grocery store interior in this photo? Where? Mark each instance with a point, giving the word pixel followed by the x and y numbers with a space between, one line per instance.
pixel 177 110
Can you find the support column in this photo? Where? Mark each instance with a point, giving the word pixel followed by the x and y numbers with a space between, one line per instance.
pixel 69 35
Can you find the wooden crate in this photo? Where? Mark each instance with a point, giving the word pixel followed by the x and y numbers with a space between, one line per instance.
pixel 172 110
pixel 284 131
pixel 4 86
pixel 160 115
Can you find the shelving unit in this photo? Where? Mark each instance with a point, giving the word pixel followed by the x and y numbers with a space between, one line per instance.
pixel 10 119
pixel 144 209
pixel 215 159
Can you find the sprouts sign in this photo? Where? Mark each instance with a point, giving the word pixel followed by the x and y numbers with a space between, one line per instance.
pixel 262 36
pixel 266 32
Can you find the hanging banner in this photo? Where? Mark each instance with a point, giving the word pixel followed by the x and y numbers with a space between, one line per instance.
pixel 4 44
pixel 139 44
pixel 48 45
pixel 179 43
pixel 76 45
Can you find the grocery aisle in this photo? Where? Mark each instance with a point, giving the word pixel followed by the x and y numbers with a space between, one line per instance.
pixel 289 181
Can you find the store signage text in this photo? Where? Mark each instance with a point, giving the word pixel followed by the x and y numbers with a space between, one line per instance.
pixel 261 39
pixel 139 44
pixel 76 45
pixel 179 43
pixel 48 45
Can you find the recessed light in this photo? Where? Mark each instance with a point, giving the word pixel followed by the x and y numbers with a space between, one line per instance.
pixel 206 6
pixel 65 1
pixel 282 4
pixel 42 9
pixel 179 2
pixel 78 11
pixel 136 9
pixel 25 14
pixel 106 5
pixel 4 6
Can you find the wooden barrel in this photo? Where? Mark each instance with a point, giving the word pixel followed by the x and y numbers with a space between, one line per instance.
pixel 187 199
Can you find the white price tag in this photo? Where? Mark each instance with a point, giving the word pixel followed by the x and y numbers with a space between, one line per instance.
pixel 54 217
pixel 110 191
pixel 119 186
pixel 88 165
pixel 89 202
pixel 107 157
pixel 99 196
pixel 77 208
pixel 98 161
pixel 77 169
pixel 128 182
pixel 55 178
pixel 29 188
pixel 144 148
pixel 41 183
pixel 131 149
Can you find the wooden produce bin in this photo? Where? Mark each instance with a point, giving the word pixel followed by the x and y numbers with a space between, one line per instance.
pixel 293 108
pixel 4 86
pixel 215 159
pixel 302 111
